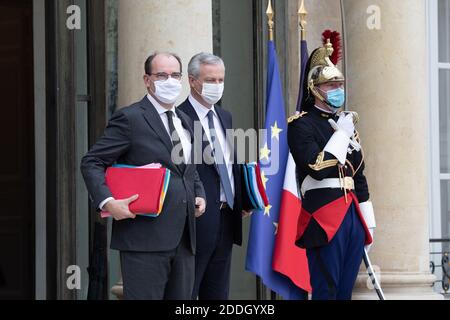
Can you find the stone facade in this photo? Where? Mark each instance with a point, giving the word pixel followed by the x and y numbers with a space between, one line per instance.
pixel 381 73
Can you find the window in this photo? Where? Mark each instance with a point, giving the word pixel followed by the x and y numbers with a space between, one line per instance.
pixel 444 111
pixel 439 54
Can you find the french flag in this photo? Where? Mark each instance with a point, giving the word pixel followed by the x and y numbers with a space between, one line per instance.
pixel 288 259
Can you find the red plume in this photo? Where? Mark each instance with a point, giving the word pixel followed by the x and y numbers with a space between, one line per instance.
pixel 335 38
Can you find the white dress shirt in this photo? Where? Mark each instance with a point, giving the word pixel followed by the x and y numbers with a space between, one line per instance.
pixel 182 133
pixel 202 113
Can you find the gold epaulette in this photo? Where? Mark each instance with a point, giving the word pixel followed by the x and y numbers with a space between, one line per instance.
pixel 297 116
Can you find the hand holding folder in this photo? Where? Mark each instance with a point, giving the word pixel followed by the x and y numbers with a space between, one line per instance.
pixel 150 182
pixel 119 209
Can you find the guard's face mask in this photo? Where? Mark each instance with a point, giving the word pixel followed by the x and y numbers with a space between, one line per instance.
pixel 335 97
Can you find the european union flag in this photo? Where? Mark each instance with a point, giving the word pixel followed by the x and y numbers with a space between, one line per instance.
pixel 273 158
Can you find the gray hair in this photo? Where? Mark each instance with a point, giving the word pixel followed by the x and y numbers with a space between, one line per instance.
pixel 200 59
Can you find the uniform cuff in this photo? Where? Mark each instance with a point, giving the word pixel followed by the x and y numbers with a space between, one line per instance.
pixel 368 214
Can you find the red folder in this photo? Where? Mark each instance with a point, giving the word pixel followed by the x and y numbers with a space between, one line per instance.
pixel 148 182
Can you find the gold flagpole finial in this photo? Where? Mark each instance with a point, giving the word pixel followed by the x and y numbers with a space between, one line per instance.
pixel 270 15
pixel 302 14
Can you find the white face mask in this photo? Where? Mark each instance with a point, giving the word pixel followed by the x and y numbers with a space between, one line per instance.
pixel 212 92
pixel 168 91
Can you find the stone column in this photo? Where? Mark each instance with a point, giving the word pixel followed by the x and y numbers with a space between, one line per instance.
pixel 144 26
pixel 387 73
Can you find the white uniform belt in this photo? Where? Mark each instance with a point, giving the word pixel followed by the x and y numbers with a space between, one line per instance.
pixel 334 183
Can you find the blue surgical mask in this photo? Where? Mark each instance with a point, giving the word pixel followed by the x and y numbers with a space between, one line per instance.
pixel 336 97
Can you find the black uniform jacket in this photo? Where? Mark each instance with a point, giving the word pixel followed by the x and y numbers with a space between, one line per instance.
pixel 323 210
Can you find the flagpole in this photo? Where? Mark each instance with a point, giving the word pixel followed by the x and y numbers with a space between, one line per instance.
pixel 270 15
pixel 344 57
pixel 271 23
pixel 302 14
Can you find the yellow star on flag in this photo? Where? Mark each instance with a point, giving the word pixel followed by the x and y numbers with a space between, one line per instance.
pixel 264 179
pixel 276 131
pixel 265 153
pixel 267 210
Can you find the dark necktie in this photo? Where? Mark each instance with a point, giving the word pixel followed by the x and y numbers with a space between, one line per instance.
pixel 175 138
pixel 220 162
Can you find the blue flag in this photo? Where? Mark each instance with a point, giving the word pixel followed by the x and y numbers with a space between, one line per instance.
pixel 304 60
pixel 273 158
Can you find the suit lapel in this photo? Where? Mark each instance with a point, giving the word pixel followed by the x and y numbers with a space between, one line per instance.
pixel 153 119
pixel 218 111
pixel 188 127
pixel 185 124
pixel 225 126
pixel 190 111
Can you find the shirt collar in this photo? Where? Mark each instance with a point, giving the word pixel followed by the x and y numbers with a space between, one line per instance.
pixel 159 108
pixel 202 111
pixel 323 110
pixel 326 114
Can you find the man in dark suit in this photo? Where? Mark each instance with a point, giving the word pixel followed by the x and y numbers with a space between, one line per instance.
pixel 221 225
pixel 157 254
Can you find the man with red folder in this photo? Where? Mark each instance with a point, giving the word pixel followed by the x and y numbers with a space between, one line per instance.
pixel 157 254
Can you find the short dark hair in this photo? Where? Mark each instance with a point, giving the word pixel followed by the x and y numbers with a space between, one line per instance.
pixel 149 61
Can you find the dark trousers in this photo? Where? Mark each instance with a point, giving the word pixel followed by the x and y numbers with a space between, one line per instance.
pixel 213 263
pixel 165 275
pixel 334 267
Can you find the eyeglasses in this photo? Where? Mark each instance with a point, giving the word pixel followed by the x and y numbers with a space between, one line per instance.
pixel 164 76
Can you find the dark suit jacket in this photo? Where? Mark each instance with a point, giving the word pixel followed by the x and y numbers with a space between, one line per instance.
pixel 136 136
pixel 208 224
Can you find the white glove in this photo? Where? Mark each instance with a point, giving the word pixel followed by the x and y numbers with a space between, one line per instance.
pixel 341 139
pixel 345 123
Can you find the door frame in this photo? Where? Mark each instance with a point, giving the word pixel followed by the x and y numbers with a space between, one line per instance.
pixel 40 149
pixel 58 166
